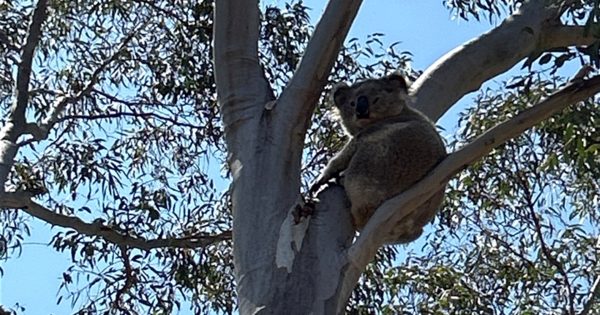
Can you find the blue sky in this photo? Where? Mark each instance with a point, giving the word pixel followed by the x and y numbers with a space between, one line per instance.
pixel 424 28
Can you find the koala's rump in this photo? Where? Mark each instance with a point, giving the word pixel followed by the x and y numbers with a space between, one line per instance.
pixel 388 161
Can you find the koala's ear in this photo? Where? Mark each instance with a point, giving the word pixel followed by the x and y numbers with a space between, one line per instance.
pixel 339 93
pixel 396 81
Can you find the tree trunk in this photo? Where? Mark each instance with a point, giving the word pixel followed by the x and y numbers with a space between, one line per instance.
pixel 310 267
pixel 265 139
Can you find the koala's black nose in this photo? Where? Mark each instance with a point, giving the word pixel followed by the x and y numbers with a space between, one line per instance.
pixel 362 107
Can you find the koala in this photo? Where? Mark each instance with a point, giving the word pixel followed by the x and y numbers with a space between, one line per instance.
pixel 391 147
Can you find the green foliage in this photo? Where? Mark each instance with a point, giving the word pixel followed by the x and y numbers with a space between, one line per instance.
pixel 284 35
pixel 141 153
pixel 134 153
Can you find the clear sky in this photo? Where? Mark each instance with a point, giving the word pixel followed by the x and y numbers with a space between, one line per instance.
pixel 424 28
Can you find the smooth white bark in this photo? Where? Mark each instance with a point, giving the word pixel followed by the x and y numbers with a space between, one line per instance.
pixel 304 89
pixel 533 29
pixel 265 138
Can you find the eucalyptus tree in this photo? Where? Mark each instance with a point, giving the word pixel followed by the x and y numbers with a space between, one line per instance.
pixel 123 121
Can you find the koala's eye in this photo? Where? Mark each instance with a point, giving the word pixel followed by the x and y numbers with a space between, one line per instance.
pixel 376 100
pixel 352 104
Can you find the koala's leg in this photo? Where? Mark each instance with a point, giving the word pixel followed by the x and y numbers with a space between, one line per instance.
pixel 336 165
pixel 361 212
pixel 364 198
pixel 411 228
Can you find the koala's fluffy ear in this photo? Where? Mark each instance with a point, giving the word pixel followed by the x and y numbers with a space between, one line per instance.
pixel 339 93
pixel 396 81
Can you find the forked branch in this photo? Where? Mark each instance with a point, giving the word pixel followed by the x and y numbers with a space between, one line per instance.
pixel 40 131
pixel 15 124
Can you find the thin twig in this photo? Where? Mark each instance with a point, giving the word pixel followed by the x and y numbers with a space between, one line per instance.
pixel 129 278
pixel 41 131
pixel 545 249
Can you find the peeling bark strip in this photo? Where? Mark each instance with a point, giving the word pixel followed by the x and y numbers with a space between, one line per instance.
pixel 291 236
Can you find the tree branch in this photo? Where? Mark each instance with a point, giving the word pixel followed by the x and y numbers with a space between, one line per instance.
pixel 129 280
pixel 381 223
pixel 23 202
pixel 173 121
pixel 242 89
pixel 306 85
pixel 40 131
pixel 15 124
pixel 530 203
pixel 17 115
pixel 530 31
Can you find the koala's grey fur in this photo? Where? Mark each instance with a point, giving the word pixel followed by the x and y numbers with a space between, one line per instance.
pixel 391 147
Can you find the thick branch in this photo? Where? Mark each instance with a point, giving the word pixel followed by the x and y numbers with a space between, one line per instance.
pixel 371 238
pixel 530 31
pixel 242 89
pixel 307 83
pixel 22 201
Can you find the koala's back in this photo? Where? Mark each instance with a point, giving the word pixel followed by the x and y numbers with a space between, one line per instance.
pixel 391 156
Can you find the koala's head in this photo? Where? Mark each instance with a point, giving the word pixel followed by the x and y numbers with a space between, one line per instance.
pixel 370 101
